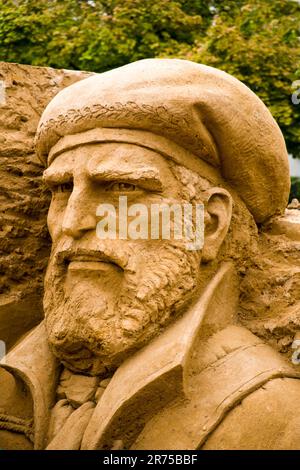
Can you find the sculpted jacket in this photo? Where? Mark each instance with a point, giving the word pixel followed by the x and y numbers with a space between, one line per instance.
pixel 204 383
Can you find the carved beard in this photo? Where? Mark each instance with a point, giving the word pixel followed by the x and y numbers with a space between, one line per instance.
pixel 93 326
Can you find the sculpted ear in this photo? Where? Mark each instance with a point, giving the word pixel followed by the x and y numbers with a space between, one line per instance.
pixel 218 212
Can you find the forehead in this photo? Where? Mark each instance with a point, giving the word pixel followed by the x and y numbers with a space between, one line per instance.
pixel 112 156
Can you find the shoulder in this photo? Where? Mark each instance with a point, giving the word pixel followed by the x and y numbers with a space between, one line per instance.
pixel 268 418
pixel 16 410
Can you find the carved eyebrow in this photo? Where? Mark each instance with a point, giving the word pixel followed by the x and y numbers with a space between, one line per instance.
pixel 145 177
pixel 53 177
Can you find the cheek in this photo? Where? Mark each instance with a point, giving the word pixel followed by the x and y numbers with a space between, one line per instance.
pixel 56 215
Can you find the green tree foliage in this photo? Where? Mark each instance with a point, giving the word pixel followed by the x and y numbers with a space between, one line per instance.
pixel 295 188
pixel 95 35
pixel 255 40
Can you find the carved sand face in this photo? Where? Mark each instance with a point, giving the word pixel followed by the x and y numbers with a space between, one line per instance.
pixel 107 298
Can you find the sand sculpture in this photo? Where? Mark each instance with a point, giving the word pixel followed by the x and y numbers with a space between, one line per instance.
pixel 142 345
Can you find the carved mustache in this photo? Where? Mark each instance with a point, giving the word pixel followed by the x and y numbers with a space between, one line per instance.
pixel 83 254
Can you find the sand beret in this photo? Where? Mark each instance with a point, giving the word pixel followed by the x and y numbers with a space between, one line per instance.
pixel 177 107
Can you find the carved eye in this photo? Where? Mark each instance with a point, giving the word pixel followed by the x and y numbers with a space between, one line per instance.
pixel 122 187
pixel 64 188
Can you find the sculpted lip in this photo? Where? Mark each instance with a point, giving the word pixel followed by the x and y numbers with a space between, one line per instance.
pixel 81 260
pixel 90 265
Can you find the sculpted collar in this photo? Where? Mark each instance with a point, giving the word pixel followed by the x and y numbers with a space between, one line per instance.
pixel 156 372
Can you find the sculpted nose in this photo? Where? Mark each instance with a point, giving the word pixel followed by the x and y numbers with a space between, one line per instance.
pixel 78 218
